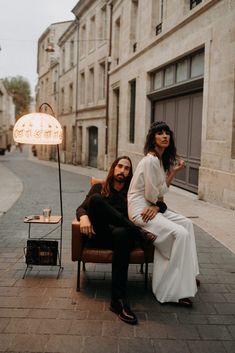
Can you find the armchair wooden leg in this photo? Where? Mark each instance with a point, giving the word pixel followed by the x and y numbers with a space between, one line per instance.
pixel 142 268
pixel 83 266
pixel 78 276
pixel 146 276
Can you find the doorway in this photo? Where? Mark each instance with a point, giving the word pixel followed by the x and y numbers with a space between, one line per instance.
pixel 93 146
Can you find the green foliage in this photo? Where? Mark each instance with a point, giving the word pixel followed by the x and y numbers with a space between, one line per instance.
pixel 19 89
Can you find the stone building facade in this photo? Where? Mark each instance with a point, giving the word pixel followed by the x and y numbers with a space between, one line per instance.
pixel 138 61
pixel 67 91
pixel 174 61
pixel 48 60
pixel 92 114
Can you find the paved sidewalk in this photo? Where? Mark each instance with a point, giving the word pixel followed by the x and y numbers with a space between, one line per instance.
pixel 43 314
pixel 10 189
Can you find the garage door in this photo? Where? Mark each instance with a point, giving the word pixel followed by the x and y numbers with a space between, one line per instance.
pixel 184 116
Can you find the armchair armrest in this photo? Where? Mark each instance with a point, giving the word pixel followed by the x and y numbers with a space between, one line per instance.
pixel 77 241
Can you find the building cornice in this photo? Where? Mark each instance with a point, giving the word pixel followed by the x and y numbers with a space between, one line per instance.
pixel 45 33
pixel 69 31
pixel 88 109
pixel 81 7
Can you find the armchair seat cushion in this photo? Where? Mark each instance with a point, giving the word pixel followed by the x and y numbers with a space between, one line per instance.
pixel 81 253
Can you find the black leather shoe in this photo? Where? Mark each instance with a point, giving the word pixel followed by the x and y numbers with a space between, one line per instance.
pixel 123 311
pixel 186 302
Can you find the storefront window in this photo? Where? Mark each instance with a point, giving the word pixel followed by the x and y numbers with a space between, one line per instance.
pixel 169 75
pixel 197 65
pixel 157 80
pixel 182 70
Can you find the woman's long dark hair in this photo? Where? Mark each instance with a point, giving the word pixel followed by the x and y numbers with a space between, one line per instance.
pixel 169 155
pixel 109 180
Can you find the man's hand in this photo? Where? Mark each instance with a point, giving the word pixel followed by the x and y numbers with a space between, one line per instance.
pixel 149 213
pixel 86 226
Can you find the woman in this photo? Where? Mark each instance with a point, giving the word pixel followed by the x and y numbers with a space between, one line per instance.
pixel 175 259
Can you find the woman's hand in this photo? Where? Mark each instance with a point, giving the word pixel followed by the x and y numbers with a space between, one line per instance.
pixel 149 213
pixel 86 226
pixel 180 164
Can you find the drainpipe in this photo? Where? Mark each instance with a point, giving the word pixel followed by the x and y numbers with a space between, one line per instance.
pixel 76 93
pixel 107 83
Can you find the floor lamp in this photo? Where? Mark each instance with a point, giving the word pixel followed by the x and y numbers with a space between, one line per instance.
pixel 40 128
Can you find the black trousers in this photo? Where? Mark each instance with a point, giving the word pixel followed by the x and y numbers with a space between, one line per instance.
pixel 116 232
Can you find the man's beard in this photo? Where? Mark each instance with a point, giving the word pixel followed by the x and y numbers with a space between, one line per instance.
pixel 122 180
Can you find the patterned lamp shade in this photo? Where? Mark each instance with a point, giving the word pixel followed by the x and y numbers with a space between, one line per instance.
pixel 38 129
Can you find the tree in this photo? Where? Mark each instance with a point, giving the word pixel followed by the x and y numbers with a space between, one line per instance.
pixel 19 88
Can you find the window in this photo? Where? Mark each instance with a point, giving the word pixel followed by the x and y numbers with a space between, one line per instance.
pixel 197 65
pixel 194 3
pixel 71 97
pixel 43 53
pixel 182 70
pixel 46 87
pixel 103 23
pixel 73 135
pixel 62 101
pixel 63 60
pixel 134 21
pixel 92 34
pixel 55 82
pixel 42 91
pixel 169 75
pixel 117 40
pixel 64 138
pixel 132 111
pixel 82 88
pixel 102 80
pixel 157 15
pixel 71 53
pixel 116 105
pixel 185 69
pixel 158 80
pixel 83 41
pixel 91 85
pixel 54 87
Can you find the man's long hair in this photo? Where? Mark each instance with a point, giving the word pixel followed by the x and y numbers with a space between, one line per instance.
pixel 109 180
pixel 169 155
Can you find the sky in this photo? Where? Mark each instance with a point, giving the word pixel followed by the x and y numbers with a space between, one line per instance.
pixel 21 24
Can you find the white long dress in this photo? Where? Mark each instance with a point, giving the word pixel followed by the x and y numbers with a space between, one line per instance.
pixel 175 264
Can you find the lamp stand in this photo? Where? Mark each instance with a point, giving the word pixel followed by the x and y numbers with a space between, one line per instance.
pixel 61 210
pixel 42 129
pixel 61 201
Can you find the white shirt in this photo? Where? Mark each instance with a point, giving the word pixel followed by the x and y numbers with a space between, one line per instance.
pixel 147 185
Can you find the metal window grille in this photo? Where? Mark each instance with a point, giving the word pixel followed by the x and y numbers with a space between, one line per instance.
pixel 194 3
pixel 158 28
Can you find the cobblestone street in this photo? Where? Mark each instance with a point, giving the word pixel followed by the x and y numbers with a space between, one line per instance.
pixel 43 314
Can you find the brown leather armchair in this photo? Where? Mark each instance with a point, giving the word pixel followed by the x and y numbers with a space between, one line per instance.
pixel 94 255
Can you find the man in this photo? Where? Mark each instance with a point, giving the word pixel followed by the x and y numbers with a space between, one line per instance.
pixel 104 220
